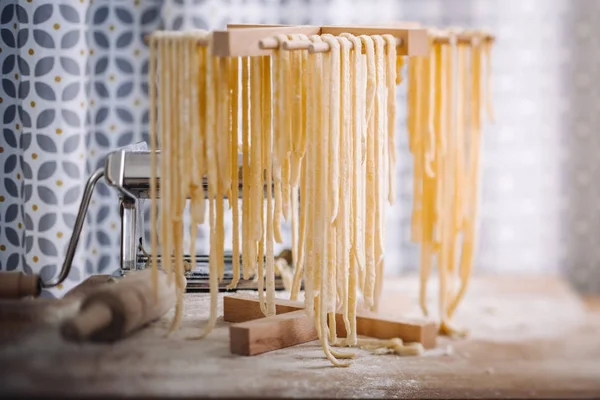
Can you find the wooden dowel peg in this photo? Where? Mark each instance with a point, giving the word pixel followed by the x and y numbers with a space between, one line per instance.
pixel 268 43
pixel 296 44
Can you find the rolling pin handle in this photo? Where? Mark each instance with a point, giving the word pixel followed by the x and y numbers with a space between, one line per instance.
pixel 15 285
pixel 86 323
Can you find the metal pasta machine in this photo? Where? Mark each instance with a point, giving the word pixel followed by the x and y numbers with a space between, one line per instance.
pixel 129 171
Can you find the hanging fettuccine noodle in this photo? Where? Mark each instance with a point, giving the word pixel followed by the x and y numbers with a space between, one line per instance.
pixel 444 123
pixel 317 130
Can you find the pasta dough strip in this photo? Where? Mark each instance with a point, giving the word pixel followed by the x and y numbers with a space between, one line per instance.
pixel 343 219
pixel 280 63
pixel 212 275
pixel 177 180
pixel 297 116
pixel 299 225
pixel 355 136
pixel 247 262
pixel 267 151
pixel 334 125
pixel 256 171
pixel 233 200
pixel 153 163
pixel 165 205
pixel 323 217
pixel 390 42
pixel 378 143
pixel 312 245
pixel 195 177
pixel 474 129
pixel 286 133
pixel 333 68
pixel 371 201
pixel 220 141
pixel 198 206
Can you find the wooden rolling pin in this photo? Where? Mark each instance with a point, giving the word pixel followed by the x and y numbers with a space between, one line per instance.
pixel 15 285
pixel 114 311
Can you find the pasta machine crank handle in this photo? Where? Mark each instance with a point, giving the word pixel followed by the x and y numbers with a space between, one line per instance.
pixel 16 285
pixel 83 208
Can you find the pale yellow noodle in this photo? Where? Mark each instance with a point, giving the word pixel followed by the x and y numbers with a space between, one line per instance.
pixel 285 144
pixel 191 60
pixel 334 117
pixel 165 160
pixel 198 206
pixel 210 127
pixel 267 151
pixel 256 182
pixel 313 180
pixel 332 60
pixel 390 42
pixel 177 179
pixel 354 137
pixel 280 64
pixel 299 225
pixel 212 275
pixel 343 219
pixel 297 117
pixel 487 49
pixel 256 171
pixel 221 141
pixel 466 262
pixel 371 201
pixel 153 163
pixel 234 84
pixel 430 149
pixel 247 263
pixel 378 153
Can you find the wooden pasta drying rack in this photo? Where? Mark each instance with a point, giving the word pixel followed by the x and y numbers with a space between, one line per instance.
pixel 250 332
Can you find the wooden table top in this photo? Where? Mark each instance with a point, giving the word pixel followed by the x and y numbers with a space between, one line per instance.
pixel 529 337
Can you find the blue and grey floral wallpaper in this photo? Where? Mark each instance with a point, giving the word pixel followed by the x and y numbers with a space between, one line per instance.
pixel 74 88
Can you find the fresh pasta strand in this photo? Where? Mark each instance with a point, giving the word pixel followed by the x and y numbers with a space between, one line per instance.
pixel 153 162
pixel 371 201
pixel 357 202
pixel 473 175
pixel 446 162
pixel 212 275
pixel 247 262
pixel 267 150
pixel 391 113
pixel 343 218
pixel 233 200
pixel 299 225
pixel 313 159
pixel 333 174
pixel 379 140
pixel 280 64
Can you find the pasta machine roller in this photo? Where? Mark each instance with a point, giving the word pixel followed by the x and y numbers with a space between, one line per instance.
pixel 129 171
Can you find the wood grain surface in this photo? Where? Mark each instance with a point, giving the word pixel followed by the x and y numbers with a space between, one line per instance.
pixel 529 338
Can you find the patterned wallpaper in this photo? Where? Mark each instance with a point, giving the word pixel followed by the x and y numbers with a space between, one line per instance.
pixel 73 88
